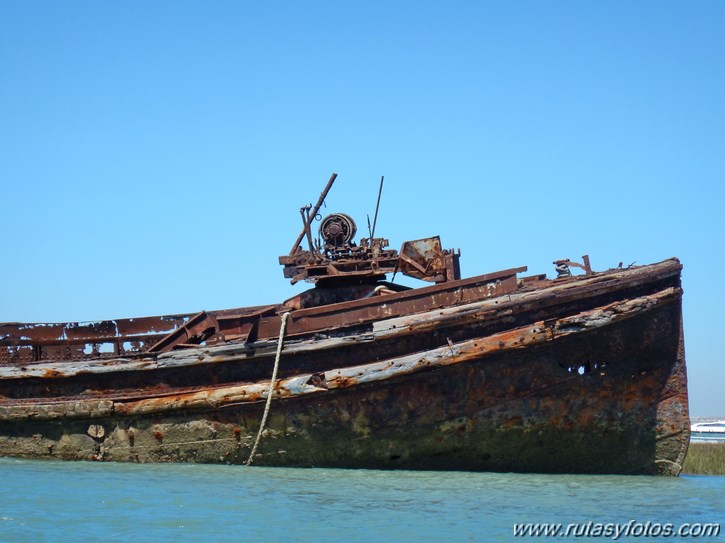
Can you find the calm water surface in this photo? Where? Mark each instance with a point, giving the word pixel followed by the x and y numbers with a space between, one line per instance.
pixel 69 501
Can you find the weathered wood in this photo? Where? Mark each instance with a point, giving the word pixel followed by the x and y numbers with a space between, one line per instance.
pixel 490 310
pixel 476 349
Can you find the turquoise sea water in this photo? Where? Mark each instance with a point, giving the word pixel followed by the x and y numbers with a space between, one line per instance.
pixel 79 501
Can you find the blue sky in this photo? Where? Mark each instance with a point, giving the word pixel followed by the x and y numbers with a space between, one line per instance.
pixel 154 155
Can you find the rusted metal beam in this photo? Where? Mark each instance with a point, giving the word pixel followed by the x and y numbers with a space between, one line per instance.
pixel 197 329
pixel 312 215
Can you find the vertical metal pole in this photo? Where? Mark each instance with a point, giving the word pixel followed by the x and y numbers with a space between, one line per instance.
pixel 377 206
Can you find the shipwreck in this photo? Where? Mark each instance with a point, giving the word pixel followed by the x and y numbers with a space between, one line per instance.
pixel 580 373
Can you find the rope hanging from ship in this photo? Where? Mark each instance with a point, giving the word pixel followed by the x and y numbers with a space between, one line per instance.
pixel 270 392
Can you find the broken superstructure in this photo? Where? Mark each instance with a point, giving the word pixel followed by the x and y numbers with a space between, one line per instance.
pixel 335 258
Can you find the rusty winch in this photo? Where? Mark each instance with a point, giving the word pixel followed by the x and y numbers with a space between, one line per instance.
pixel 338 230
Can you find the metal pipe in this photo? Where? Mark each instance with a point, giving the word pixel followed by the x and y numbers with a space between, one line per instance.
pixel 312 215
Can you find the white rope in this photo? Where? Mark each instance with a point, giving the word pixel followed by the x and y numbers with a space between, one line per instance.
pixel 280 341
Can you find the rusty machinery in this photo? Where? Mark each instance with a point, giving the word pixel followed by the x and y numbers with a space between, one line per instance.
pixel 335 258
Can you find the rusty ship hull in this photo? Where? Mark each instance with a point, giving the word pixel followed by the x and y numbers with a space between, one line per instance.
pixel 583 374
